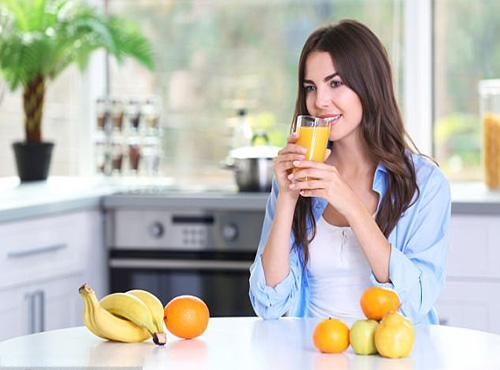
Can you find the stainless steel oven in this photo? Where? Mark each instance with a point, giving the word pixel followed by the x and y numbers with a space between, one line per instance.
pixel 203 252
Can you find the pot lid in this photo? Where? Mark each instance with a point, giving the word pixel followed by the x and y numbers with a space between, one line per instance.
pixel 261 151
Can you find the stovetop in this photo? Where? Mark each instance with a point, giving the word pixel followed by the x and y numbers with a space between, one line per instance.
pixel 155 190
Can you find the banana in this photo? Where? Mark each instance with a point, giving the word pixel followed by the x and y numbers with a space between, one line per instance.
pixel 134 309
pixel 106 325
pixel 88 318
pixel 154 305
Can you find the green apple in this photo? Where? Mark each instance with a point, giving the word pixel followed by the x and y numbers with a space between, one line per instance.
pixel 362 337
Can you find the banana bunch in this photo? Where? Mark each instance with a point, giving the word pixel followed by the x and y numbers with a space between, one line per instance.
pixel 133 316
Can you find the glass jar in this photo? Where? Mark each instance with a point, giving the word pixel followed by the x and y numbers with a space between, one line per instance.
pixel 489 91
pixel 134 154
pixel 117 155
pixel 151 155
pixel 117 112
pixel 102 109
pixel 150 113
pixel 133 115
pixel 100 155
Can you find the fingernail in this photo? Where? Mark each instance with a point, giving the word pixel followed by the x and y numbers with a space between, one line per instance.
pixel 296 163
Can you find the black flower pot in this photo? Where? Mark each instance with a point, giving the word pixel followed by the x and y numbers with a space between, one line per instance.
pixel 33 160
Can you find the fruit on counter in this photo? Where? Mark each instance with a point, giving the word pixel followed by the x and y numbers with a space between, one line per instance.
pixel 154 305
pixel 362 337
pixel 394 336
pixel 132 308
pixel 376 302
pixel 106 325
pixel 186 316
pixel 331 336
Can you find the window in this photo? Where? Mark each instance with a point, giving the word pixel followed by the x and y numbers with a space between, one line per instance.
pixel 466 50
pixel 217 56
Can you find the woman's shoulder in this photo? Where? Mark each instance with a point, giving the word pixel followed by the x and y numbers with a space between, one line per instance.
pixel 428 172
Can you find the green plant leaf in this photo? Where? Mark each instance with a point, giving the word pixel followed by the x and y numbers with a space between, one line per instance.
pixel 41 38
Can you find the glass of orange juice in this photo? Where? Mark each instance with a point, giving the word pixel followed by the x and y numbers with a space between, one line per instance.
pixel 313 135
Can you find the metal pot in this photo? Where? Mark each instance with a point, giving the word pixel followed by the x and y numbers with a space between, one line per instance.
pixel 253 166
pixel 253 174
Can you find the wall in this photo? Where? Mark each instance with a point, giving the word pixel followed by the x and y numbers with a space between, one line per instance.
pixel 60 124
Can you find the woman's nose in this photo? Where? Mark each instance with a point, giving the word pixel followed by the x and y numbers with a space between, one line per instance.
pixel 322 98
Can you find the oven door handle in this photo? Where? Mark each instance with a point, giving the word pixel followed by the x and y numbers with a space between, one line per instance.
pixel 179 264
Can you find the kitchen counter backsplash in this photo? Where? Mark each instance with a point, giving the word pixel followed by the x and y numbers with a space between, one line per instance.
pixel 63 194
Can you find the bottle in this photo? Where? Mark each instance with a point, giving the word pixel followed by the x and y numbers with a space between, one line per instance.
pixel 242 134
pixel 489 91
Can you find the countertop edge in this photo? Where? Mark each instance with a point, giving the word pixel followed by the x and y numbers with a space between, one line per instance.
pixel 22 203
pixel 475 208
pixel 50 208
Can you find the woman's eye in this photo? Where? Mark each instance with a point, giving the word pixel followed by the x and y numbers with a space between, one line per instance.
pixel 308 88
pixel 336 83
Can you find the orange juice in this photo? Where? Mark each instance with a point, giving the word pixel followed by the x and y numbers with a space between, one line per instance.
pixel 315 140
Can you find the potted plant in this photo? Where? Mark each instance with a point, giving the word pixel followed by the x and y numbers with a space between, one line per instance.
pixel 38 40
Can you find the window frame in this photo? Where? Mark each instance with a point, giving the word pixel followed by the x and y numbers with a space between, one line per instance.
pixel 418 94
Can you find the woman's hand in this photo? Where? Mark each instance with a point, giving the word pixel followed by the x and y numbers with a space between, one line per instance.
pixel 283 164
pixel 324 182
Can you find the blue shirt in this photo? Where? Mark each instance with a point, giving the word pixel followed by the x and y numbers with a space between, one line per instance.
pixel 417 263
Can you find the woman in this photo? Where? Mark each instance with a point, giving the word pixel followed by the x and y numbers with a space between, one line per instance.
pixel 377 212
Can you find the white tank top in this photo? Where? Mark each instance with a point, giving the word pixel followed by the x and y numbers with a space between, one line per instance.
pixel 337 271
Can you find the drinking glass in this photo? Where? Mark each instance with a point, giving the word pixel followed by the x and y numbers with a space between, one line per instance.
pixel 313 135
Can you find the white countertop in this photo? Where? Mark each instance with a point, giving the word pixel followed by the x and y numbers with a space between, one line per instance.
pixel 250 343
pixel 62 194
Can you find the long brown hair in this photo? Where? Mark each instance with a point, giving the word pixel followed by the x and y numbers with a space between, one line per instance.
pixel 362 61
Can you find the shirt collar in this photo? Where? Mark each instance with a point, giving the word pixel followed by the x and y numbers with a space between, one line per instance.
pixel 380 179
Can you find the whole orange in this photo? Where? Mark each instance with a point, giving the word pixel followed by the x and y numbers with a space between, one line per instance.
pixel 331 336
pixel 376 302
pixel 186 316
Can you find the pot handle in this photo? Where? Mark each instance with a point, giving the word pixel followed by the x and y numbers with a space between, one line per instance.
pixel 260 134
pixel 227 164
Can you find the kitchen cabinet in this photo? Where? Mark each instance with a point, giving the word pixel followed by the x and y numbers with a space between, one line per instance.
pixel 43 261
pixel 472 294
pixel 33 308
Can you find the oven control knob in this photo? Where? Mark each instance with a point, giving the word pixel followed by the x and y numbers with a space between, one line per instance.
pixel 229 232
pixel 156 230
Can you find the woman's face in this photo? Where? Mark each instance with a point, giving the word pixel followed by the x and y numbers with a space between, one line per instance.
pixel 327 96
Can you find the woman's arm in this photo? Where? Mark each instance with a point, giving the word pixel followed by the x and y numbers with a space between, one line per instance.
pixel 272 302
pixel 417 264
pixel 276 254
pixel 375 245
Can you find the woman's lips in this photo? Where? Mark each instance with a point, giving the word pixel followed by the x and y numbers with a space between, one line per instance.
pixel 332 119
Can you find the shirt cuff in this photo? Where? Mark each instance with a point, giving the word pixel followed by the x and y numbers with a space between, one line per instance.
pixel 266 295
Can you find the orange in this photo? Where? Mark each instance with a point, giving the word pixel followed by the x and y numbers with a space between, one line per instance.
pixel 331 336
pixel 186 316
pixel 377 302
